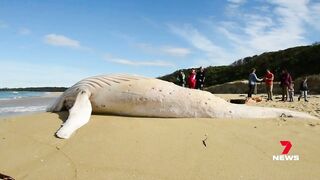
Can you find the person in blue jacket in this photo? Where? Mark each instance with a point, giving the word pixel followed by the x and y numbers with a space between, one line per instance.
pixel 252 82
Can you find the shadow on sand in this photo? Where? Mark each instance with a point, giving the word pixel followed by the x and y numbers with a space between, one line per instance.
pixel 63 116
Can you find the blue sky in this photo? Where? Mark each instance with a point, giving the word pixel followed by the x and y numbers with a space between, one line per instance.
pixel 57 43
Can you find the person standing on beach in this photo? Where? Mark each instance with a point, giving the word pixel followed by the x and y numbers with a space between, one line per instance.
pixel 252 82
pixel 268 78
pixel 200 78
pixel 303 90
pixel 291 92
pixel 182 78
pixel 192 79
pixel 286 81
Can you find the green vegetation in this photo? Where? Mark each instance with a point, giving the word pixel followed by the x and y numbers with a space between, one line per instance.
pixel 300 61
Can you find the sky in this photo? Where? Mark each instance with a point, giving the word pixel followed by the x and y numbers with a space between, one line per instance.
pixel 57 43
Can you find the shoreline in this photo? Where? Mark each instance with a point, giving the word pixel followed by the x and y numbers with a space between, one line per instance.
pixel 26 105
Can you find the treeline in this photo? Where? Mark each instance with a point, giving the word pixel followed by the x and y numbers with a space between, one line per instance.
pixel 38 89
pixel 300 61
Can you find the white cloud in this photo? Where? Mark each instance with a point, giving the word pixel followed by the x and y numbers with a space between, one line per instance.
pixel 264 26
pixel 237 1
pixel 164 50
pixel 176 51
pixel 129 62
pixel 233 5
pixel 60 40
pixel 24 31
pixel 141 63
pixel 198 40
pixel 284 26
pixel 314 15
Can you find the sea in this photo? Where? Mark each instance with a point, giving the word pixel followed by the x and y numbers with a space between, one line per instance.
pixel 7 95
pixel 23 102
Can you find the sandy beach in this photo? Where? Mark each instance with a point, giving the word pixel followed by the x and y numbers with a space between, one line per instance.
pixel 115 147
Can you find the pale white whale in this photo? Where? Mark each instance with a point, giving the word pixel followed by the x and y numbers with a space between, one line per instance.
pixel 131 95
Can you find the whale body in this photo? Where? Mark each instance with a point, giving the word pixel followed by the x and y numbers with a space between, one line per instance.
pixel 131 95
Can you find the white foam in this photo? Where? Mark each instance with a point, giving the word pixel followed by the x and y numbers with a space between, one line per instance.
pixel 19 109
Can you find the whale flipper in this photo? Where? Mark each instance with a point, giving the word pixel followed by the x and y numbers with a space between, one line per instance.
pixel 79 115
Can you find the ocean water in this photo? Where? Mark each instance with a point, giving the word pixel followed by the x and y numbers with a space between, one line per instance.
pixel 23 102
pixel 7 95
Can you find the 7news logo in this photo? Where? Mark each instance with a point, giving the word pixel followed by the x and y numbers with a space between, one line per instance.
pixel 284 155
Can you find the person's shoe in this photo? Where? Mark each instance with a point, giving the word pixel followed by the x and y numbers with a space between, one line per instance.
pixel 306 100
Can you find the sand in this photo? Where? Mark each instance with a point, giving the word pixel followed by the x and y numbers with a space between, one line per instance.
pixel 114 147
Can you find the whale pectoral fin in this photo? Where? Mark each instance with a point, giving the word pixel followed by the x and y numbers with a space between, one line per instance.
pixel 79 115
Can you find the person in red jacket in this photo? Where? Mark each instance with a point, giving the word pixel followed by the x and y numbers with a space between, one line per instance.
pixel 192 79
pixel 268 78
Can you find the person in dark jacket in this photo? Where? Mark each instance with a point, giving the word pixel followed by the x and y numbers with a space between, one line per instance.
pixel 285 83
pixel 303 89
pixel 200 78
pixel 182 79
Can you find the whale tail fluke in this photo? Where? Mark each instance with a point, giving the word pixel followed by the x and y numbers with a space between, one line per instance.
pixel 245 111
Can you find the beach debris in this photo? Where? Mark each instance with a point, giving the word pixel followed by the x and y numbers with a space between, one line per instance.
pixel 204 141
pixel 254 100
pixel 284 115
pixel 282 120
pixel 312 124
pixel 255 127
pixel 238 101
pixel 5 177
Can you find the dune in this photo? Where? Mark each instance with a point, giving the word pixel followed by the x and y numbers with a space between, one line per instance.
pixel 116 147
